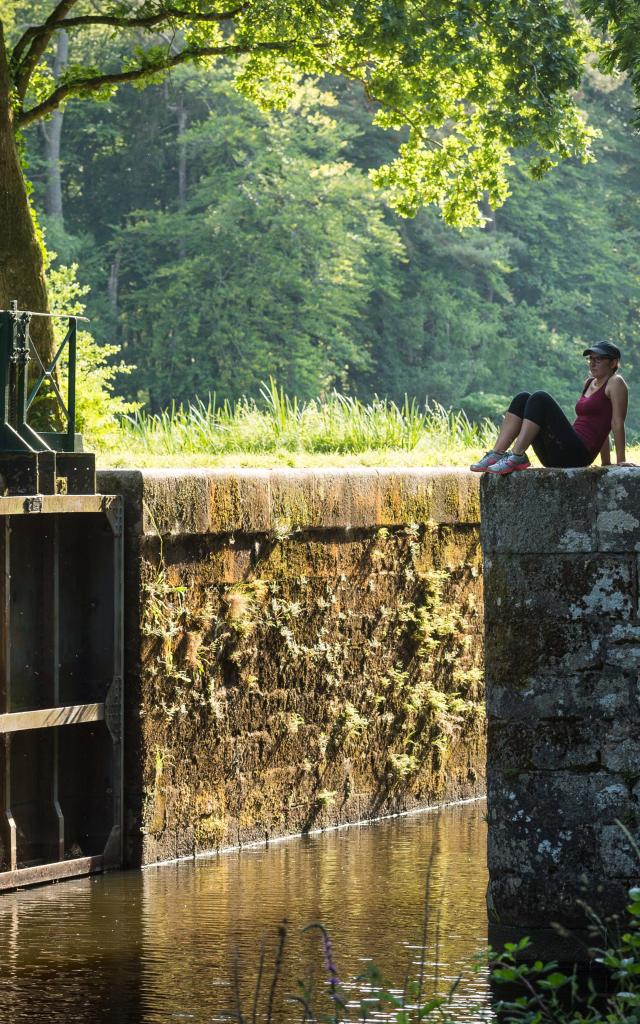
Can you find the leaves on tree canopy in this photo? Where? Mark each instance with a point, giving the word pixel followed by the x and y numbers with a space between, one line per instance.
pixel 464 80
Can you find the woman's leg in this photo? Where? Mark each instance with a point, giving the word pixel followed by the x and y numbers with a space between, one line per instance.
pixel 545 426
pixel 512 423
pixel 526 436
pixel 511 427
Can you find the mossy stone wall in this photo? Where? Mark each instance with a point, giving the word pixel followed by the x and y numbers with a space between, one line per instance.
pixel 303 648
pixel 561 550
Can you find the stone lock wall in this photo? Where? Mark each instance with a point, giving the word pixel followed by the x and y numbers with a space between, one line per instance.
pixel 302 649
pixel 561 552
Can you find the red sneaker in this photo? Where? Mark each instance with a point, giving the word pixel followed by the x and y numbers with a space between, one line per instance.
pixel 509 463
pixel 489 459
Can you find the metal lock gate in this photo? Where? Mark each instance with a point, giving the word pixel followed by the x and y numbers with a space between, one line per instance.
pixel 60 637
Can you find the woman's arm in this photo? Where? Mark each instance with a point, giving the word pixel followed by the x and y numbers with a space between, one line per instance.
pixel 605 453
pixel 619 397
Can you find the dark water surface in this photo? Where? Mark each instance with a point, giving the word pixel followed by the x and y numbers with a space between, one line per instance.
pixel 162 945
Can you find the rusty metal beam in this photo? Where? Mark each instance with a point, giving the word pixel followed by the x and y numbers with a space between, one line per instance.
pixel 73 868
pixel 72 714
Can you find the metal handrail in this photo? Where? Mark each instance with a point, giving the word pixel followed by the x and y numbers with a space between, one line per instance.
pixel 16 351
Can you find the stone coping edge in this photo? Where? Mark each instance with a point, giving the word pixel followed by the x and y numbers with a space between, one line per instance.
pixel 280 502
pixel 557 511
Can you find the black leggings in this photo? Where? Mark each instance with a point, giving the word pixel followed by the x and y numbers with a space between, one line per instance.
pixel 557 444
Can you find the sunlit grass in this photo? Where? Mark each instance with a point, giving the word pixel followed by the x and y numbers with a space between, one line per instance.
pixel 278 430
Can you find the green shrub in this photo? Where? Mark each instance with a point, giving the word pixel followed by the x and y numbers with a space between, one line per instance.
pixel 98 409
pixel 548 994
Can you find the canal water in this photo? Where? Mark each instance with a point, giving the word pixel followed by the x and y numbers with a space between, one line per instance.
pixel 183 942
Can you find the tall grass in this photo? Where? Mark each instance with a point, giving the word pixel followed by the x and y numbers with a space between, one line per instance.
pixel 337 424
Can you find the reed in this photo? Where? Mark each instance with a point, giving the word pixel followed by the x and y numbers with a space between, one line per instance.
pixel 536 992
pixel 339 424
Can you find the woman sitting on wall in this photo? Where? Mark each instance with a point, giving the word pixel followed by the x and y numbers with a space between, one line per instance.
pixel 539 421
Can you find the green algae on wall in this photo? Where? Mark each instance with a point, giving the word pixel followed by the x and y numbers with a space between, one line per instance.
pixel 306 647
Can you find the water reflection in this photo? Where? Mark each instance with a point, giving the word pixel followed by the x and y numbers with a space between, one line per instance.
pixel 164 945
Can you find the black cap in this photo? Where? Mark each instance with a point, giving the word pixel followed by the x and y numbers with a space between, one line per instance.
pixel 603 348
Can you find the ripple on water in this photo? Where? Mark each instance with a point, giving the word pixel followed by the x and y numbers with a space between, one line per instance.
pixel 165 944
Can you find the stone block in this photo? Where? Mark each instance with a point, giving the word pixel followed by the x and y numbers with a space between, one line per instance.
pixel 529 588
pixel 452 548
pixel 175 503
pixel 428 495
pixel 550 744
pixel 300 500
pixel 238 501
pixel 527 902
pixel 304 557
pixel 623 646
pixel 534 852
pixel 539 512
pixel 618 852
pixel 345 500
pixel 518 654
pixel 614 800
pixel 621 750
pixel 601 695
pixel 542 875
pixel 555 801
pixel 618 510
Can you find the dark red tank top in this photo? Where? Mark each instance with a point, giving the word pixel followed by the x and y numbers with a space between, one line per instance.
pixel 594 413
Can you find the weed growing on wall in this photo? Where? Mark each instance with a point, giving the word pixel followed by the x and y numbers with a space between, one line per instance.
pixel 173 627
pixel 323 672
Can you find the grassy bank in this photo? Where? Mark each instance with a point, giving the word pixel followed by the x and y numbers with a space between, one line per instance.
pixel 339 430
pixel 129 458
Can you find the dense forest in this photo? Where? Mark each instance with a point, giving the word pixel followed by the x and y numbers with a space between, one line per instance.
pixel 223 244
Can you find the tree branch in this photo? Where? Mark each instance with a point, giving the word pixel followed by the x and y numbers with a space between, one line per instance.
pixel 96 82
pixel 146 21
pixel 360 79
pixel 38 46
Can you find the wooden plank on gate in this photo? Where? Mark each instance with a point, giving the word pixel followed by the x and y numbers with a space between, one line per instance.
pixel 53 504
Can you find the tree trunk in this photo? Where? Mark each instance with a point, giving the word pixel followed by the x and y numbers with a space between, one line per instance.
pixel 182 167
pixel 113 284
pixel 21 262
pixel 182 154
pixel 52 135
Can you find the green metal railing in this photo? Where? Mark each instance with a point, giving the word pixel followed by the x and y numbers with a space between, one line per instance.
pixel 16 399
